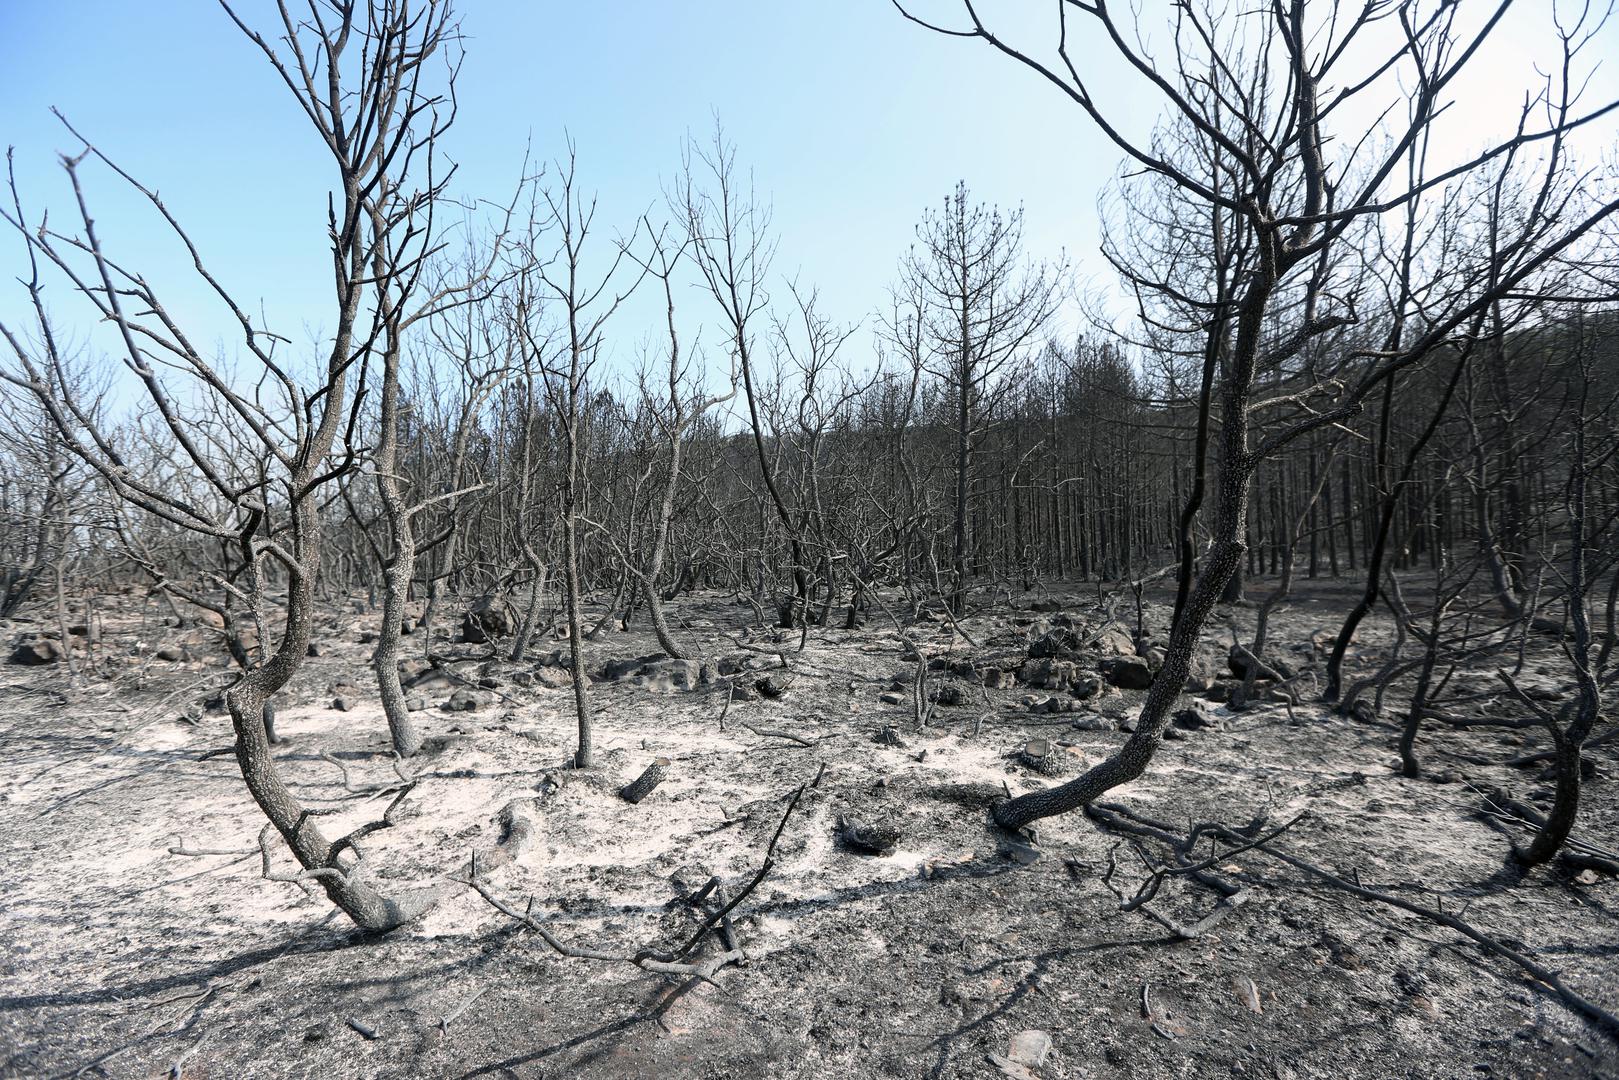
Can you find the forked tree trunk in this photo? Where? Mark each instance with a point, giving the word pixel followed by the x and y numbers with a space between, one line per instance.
pixel 531 611
pixel 369 908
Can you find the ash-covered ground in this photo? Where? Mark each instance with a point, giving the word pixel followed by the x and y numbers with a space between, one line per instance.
pixel 955 952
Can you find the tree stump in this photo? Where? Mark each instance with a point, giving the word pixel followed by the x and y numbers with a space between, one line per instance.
pixel 1037 755
pixel 642 786
pixel 876 838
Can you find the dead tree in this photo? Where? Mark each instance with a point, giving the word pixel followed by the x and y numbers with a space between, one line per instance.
pixel 473 345
pixel 977 303
pixel 1574 722
pixel 37 493
pixel 674 418
pixel 377 120
pixel 1267 162
pixel 587 302
pixel 729 230
pixel 402 300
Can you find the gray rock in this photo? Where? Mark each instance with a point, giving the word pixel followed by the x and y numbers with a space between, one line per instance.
pixel 1049 674
pixel 1115 641
pixel 997 679
pixel 657 682
pixel 1239 660
pixel 1129 672
pixel 872 839
pixel 1199 682
pixel 488 618
pixel 682 674
pixel 1019 852
pixel 1029 1048
pixel 36 652
pixel 552 678
pixel 1196 717
pixel 1059 641
pixel 623 668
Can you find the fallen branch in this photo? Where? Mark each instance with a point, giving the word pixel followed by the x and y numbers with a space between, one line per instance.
pixel 177 1067
pixel 771 733
pixel 454 1014
pixel 1601 1017
pixel 1232 896
pixel 704 971
pixel 643 785
pixel 764 869
pixel 730 692
pixel 405 779
pixel 661 963
pixel 180 847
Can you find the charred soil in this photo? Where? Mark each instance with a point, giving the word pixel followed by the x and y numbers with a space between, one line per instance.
pixel 932 956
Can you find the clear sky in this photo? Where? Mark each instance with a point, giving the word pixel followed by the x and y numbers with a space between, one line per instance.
pixel 852 120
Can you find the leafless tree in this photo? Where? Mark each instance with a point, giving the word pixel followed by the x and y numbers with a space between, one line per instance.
pixel 587 301
pixel 674 417
pixel 1304 195
pixel 972 302
pixel 367 80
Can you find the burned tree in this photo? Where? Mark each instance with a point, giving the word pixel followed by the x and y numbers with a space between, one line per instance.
pixel 729 230
pixel 972 303
pixel 586 303
pixel 368 81
pixel 1304 198
pixel 673 415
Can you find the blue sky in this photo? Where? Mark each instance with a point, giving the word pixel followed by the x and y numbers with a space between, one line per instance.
pixel 852 120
